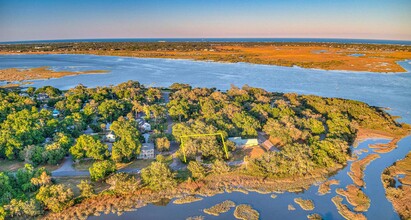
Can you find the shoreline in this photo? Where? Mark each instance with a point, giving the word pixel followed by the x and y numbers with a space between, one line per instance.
pixel 21 76
pixel 228 183
pixel 225 55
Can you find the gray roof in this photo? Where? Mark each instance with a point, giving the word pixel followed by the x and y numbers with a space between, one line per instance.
pixel 147 146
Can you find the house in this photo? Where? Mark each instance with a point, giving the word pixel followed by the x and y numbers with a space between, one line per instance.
pixel 147 151
pixel 239 142
pixel 146 137
pixel 111 137
pixel 43 97
pixel 55 113
pixel 268 146
pixel 145 127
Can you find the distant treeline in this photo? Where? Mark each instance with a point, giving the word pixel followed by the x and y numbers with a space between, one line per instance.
pixel 179 46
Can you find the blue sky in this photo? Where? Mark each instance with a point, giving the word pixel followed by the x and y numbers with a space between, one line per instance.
pixel 77 19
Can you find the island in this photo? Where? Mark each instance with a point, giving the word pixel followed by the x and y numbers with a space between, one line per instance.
pixel 397 184
pixel 17 75
pixel 382 58
pixel 92 151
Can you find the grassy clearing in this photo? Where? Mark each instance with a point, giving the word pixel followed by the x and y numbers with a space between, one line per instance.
pixel 187 199
pixel 246 212
pixel 305 204
pixel 217 209
pixel 345 211
pixel 135 164
pixel 14 165
pixel 355 197
pixel 324 188
pixel 10 165
pixel 357 169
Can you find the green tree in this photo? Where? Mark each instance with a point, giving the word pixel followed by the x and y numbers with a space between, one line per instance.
pixel 20 129
pixel 178 109
pixel 110 110
pixel 196 169
pixel 101 169
pixel 88 146
pixel 220 167
pixel 127 145
pixel 55 197
pixel 86 189
pixel 247 123
pixel 162 144
pixel 158 176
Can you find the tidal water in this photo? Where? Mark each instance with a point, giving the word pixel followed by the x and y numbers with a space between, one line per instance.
pixel 392 91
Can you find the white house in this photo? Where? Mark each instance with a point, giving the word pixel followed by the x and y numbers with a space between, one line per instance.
pixel 147 151
pixel 239 142
pixel 145 127
pixel 111 137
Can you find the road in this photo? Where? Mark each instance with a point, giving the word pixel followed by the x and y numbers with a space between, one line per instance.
pixel 67 168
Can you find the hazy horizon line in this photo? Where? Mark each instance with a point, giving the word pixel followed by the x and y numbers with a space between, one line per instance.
pixel 199 38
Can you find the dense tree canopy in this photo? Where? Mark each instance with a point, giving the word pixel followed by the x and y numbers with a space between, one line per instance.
pixel 158 176
pixel 89 147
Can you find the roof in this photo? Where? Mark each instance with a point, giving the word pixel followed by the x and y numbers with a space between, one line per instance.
pixel 147 146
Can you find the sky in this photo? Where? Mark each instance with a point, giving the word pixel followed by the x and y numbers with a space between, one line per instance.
pixel 89 19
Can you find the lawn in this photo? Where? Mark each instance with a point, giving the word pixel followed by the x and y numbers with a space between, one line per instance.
pixel 135 164
pixel 14 165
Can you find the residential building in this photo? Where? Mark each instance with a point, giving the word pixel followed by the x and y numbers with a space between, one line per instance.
pixel 240 142
pixel 111 137
pixel 147 151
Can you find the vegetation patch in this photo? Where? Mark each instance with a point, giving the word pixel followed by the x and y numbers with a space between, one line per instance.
pixel 345 211
pixel 41 126
pixel 324 187
pixel 200 217
pixel 14 74
pixel 398 190
pixel 376 58
pixel 357 169
pixel 246 212
pixel 219 208
pixel 187 199
pixel 314 216
pixel 305 204
pixel 356 197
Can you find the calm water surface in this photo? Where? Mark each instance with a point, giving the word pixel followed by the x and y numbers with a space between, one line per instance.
pixel 385 90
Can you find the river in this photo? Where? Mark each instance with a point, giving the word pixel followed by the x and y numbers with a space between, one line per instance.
pixel 392 91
